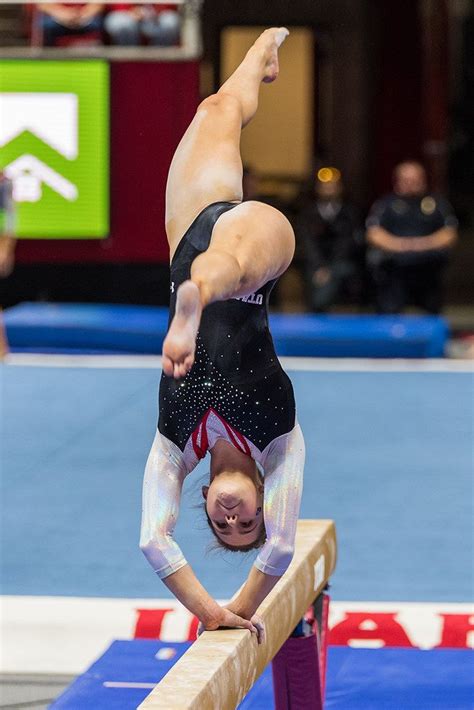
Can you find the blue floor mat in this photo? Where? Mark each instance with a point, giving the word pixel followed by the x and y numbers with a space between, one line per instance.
pixel 66 327
pixel 388 456
pixel 357 679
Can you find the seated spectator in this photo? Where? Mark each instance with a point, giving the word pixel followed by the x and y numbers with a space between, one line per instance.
pixel 410 233
pixel 7 244
pixel 326 236
pixel 60 19
pixel 129 23
pixel 7 226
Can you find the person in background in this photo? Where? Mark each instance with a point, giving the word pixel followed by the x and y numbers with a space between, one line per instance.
pixel 127 23
pixel 326 229
pixel 60 19
pixel 7 242
pixel 410 233
pixel 7 226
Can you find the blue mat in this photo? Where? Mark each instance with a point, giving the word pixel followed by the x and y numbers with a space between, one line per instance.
pixel 359 679
pixel 44 327
pixel 388 456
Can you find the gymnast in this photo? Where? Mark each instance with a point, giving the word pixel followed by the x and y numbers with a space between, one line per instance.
pixel 223 389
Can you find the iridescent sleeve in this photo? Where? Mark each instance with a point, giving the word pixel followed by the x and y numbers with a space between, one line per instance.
pixel 164 475
pixel 283 477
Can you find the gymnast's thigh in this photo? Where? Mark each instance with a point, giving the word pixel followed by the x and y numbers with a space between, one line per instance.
pixel 259 237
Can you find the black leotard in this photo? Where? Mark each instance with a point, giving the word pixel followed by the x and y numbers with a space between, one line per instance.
pixel 236 370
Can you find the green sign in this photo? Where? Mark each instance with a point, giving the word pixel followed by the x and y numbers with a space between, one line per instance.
pixel 54 132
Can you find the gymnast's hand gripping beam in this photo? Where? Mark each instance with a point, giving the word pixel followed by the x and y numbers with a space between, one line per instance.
pixel 221 666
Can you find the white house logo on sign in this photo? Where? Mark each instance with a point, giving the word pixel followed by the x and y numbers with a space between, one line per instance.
pixel 53 119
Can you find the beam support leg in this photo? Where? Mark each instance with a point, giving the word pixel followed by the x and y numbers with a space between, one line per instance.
pixel 299 668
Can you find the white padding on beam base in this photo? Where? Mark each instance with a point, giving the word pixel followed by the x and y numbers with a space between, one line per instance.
pixel 221 666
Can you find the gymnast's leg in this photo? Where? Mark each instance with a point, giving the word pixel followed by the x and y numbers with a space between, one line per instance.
pixel 250 244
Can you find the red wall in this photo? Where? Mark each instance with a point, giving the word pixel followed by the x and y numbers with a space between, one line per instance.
pixel 151 106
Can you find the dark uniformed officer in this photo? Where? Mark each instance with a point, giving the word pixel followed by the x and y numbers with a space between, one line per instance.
pixel 410 234
pixel 326 230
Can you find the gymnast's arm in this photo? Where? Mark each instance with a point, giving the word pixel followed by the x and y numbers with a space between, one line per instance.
pixel 283 467
pixel 165 472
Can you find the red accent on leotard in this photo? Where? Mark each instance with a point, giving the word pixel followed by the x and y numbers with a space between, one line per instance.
pixel 200 439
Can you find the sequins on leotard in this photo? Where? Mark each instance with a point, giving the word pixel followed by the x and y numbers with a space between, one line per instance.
pixel 236 370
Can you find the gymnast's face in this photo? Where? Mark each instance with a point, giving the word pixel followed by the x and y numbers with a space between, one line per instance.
pixel 234 505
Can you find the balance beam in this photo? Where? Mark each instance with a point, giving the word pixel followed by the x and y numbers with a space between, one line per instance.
pixel 221 666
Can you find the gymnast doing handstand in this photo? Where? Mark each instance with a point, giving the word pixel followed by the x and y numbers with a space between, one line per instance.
pixel 223 390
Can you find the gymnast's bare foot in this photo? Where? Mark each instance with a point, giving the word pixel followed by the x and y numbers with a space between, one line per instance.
pixel 180 343
pixel 271 40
